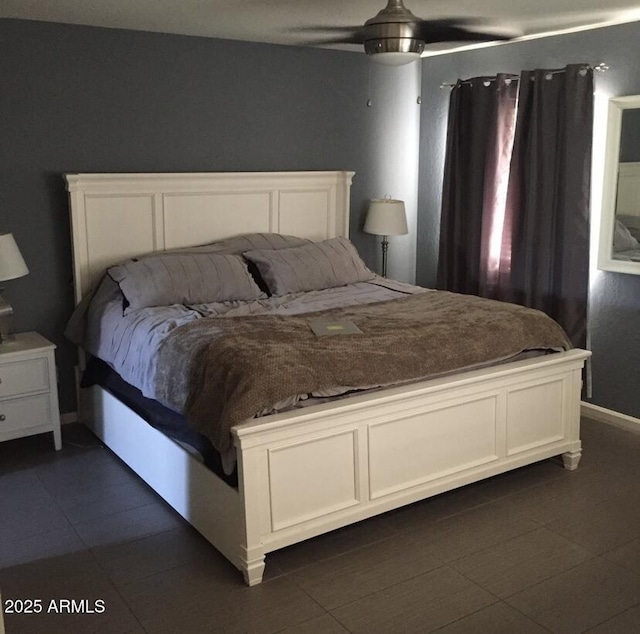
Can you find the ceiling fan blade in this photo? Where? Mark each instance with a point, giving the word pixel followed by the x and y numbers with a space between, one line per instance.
pixel 326 29
pixel 346 39
pixel 333 34
pixel 434 31
pixel 396 23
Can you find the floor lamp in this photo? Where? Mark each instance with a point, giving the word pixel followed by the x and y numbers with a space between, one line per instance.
pixel 386 217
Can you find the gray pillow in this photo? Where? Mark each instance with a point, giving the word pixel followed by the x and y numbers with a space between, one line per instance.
pixel 163 280
pixel 311 267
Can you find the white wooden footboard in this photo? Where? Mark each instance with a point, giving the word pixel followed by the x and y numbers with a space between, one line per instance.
pixel 305 473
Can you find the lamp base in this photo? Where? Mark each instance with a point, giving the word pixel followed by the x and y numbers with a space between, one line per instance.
pixel 6 322
pixel 385 248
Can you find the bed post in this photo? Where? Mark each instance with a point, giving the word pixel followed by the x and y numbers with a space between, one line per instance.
pixel 252 570
pixel 252 553
pixel 571 459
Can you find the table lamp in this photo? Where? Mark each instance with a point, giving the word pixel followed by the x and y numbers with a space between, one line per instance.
pixel 386 217
pixel 12 266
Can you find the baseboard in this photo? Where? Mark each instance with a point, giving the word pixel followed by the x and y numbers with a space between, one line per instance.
pixel 69 417
pixel 610 417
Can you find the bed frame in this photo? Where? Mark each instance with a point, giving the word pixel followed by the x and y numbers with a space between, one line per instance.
pixel 304 473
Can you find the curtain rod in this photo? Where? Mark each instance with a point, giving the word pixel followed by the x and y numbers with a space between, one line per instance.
pixel 600 68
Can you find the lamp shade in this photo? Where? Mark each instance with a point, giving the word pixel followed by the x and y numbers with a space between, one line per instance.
pixel 386 217
pixel 12 264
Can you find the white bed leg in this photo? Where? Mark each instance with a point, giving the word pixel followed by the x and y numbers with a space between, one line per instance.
pixel 253 571
pixel 570 459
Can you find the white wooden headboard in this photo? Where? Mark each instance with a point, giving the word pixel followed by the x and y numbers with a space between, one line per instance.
pixel 119 216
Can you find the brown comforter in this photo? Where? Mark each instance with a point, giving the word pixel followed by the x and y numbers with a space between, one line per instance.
pixel 245 365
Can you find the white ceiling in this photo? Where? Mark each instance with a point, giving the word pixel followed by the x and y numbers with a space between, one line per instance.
pixel 277 21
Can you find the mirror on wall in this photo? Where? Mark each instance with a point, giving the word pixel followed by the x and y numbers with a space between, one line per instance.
pixel 620 225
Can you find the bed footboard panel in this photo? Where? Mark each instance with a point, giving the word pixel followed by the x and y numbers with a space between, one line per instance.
pixel 313 472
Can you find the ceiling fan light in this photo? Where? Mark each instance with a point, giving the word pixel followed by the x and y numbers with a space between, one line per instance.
pixel 395 59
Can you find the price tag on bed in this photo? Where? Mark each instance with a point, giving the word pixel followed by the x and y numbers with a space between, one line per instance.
pixel 323 327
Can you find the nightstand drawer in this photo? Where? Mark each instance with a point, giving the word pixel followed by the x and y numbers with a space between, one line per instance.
pixel 23 377
pixel 25 412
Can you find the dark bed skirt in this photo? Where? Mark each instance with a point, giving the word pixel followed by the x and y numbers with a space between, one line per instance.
pixel 167 421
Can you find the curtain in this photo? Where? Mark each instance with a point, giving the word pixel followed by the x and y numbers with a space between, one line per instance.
pixel 549 188
pixel 515 206
pixel 479 136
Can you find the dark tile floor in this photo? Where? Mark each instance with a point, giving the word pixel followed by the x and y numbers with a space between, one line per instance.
pixel 536 550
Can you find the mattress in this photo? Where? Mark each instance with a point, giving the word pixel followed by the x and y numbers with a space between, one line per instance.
pixel 169 422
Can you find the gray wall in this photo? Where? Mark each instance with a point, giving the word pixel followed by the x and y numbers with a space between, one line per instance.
pixel 615 297
pixel 82 99
pixel 395 110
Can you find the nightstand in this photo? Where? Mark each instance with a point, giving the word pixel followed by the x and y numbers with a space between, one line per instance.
pixel 28 388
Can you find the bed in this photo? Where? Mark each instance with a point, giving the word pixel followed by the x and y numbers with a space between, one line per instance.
pixel 308 471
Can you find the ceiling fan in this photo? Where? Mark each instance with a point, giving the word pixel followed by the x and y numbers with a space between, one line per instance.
pixel 396 36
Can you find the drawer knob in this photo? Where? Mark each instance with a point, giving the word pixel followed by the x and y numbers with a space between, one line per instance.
pixel 2 417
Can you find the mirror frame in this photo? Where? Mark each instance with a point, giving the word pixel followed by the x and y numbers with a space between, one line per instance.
pixel 617 106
